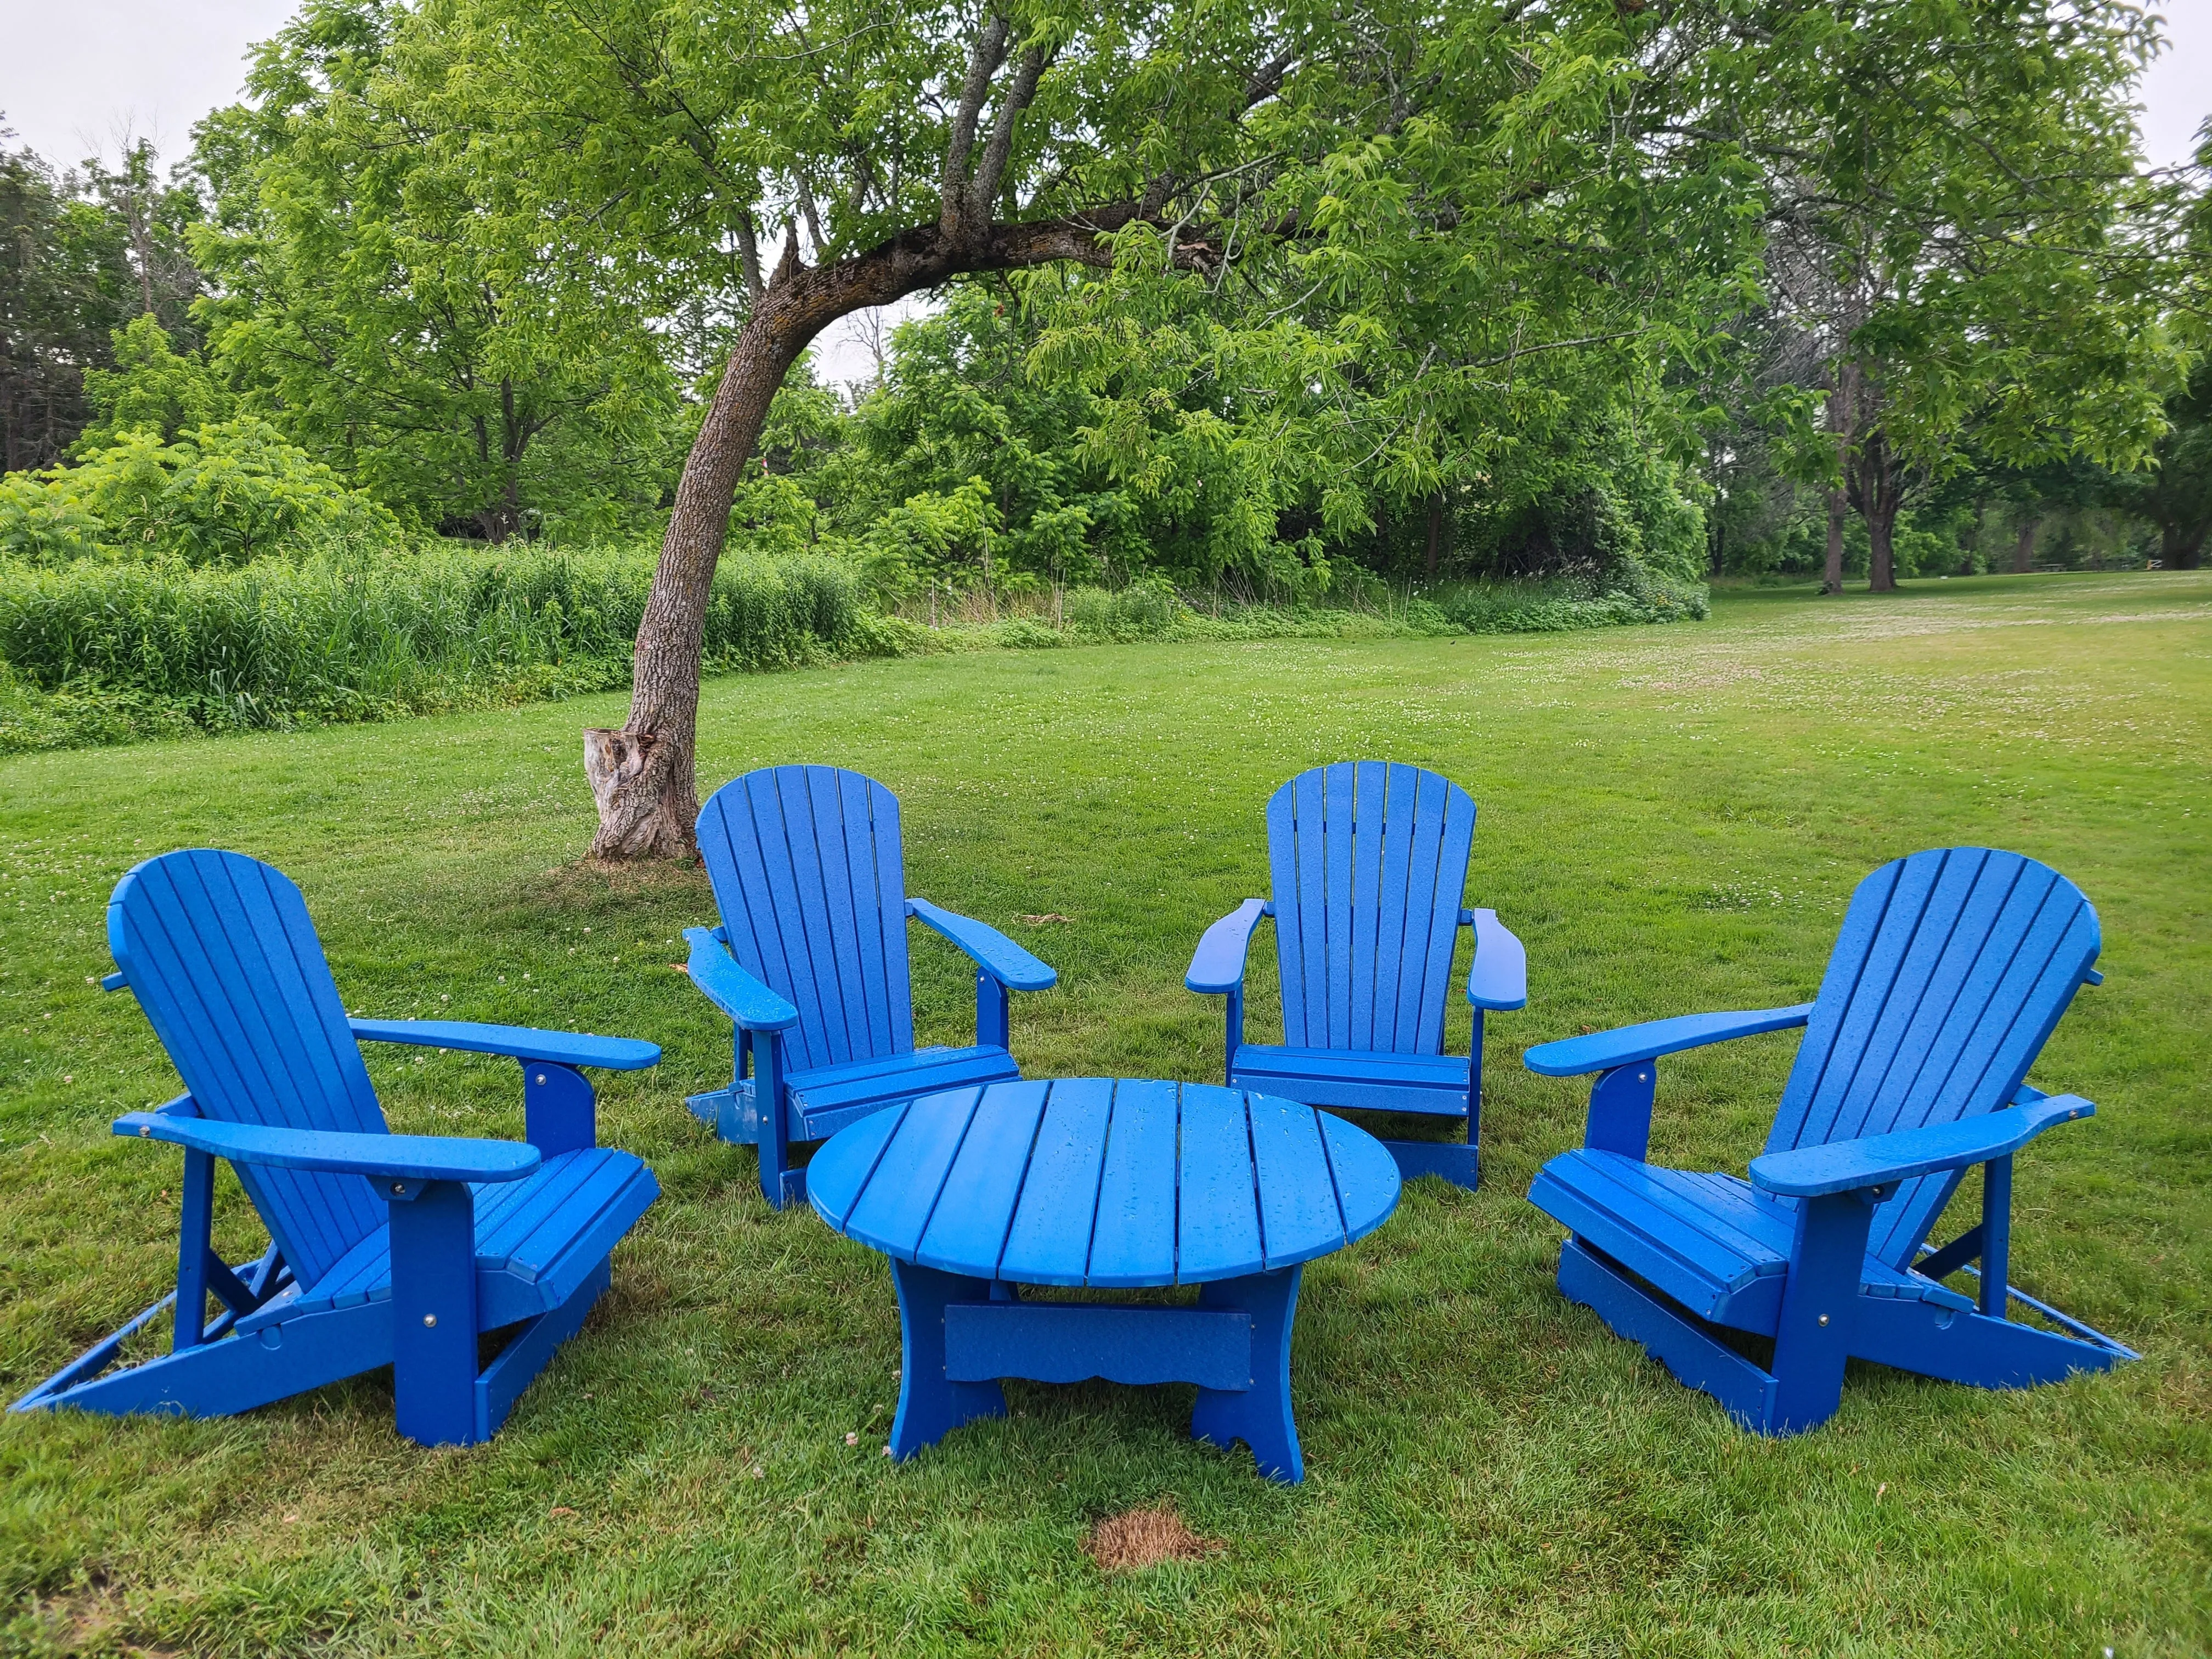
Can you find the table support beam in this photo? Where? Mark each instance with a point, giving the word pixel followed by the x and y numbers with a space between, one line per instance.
pixel 931 1403
pixel 1261 1415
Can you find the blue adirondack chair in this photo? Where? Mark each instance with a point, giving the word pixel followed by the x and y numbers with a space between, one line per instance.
pixel 1951 969
pixel 383 1250
pixel 809 964
pixel 1368 861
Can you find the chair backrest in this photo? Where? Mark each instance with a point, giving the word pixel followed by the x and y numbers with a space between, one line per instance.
pixel 811 887
pixel 218 950
pixel 1368 862
pixel 1950 971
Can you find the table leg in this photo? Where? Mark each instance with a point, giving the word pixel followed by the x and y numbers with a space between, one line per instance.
pixel 1259 1416
pixel 931 1406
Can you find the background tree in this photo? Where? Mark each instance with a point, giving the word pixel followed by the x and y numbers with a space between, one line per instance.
pixel 378 308
pixel 1959 214
pixel 81 253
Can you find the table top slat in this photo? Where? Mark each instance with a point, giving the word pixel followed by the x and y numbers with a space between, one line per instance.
pixel 977 1205
pixel 1134 1239
pixel 1218 1227
pixel 1049 1241
pixel 1298 1216
pixel 839 1172
pixel 1367 1179
pixel 897 1203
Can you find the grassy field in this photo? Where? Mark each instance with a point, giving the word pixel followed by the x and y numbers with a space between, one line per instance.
pixel 1672 819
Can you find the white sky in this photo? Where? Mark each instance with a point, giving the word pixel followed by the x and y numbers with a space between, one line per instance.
pixel 76 74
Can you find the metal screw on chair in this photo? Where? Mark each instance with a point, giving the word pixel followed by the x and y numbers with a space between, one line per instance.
pixel 1644 1077
pixel 432 1319
pixel 398 1186
pixel 541 1077
pixel 145 1132
pixel 1824 1319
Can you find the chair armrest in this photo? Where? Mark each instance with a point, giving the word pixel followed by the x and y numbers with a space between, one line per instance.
pixel 748 1002
pixel 1573 1056
pixel 390 1158
pixel 1499 978
pixel 992 950
pixel 1218 966
pixel 517 1041
pixel 1844 1166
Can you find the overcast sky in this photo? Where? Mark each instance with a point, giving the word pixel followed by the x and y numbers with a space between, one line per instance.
pixel 76 74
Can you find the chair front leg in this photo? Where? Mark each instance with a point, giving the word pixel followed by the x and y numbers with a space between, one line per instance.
pixel 1620 1111
pixel 1997 1235
pixel 1819 1302
pixel 771 1110
pixel 1474 1084
pixel 560 1110
pixel 433 1311
pixel 195 1235
pixel 994 1012
pixel 1233 1032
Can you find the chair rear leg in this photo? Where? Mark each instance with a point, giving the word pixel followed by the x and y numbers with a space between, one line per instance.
pixel 529 1352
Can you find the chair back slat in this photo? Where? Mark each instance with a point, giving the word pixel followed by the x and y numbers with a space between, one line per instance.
pixel 221 954
pixel 809 877
pixel 1368 862
pixel 1950 971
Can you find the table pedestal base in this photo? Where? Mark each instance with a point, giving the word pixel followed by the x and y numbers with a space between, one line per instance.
pixel 958 1338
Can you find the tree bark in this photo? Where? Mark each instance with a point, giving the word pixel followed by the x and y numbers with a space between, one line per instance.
pixel 1840 412
pixel 2023 550
pixel 642 775
pixel 1877 485
pixel 1436 535
pixel 1832 580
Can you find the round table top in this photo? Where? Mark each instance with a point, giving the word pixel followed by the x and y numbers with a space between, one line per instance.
pixel 1104 1182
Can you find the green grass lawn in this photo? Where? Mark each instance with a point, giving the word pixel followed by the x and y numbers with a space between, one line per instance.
pixel 1672 819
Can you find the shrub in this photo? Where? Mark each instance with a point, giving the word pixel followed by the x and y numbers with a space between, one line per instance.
pixel 224 492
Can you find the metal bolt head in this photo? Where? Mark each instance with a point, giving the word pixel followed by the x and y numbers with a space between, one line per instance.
pixel 431 1320
pixel 1644 1077
pixel 145 1132
pixel 541 1077
pixel 1824 1319
pixel 398 1186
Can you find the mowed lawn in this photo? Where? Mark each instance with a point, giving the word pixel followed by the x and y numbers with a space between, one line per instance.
pixel 1672 819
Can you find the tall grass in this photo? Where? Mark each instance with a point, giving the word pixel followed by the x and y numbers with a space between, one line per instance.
pixel 110 651
pixel 99 653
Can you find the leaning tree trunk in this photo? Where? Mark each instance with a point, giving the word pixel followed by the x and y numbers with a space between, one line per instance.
pixel 642 776
pixel 2023 550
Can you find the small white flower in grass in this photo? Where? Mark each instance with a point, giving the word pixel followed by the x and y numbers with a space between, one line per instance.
pixel 443 997
pixel 68 1078
pixel 887 1449
pixel 759 1473
pixel 525 976
pixel 502 979
pixel 852 1439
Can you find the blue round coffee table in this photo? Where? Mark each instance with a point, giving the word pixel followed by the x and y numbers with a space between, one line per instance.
pixel 1101 1183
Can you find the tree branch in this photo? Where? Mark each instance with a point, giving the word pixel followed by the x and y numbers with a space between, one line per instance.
pixel 984 63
